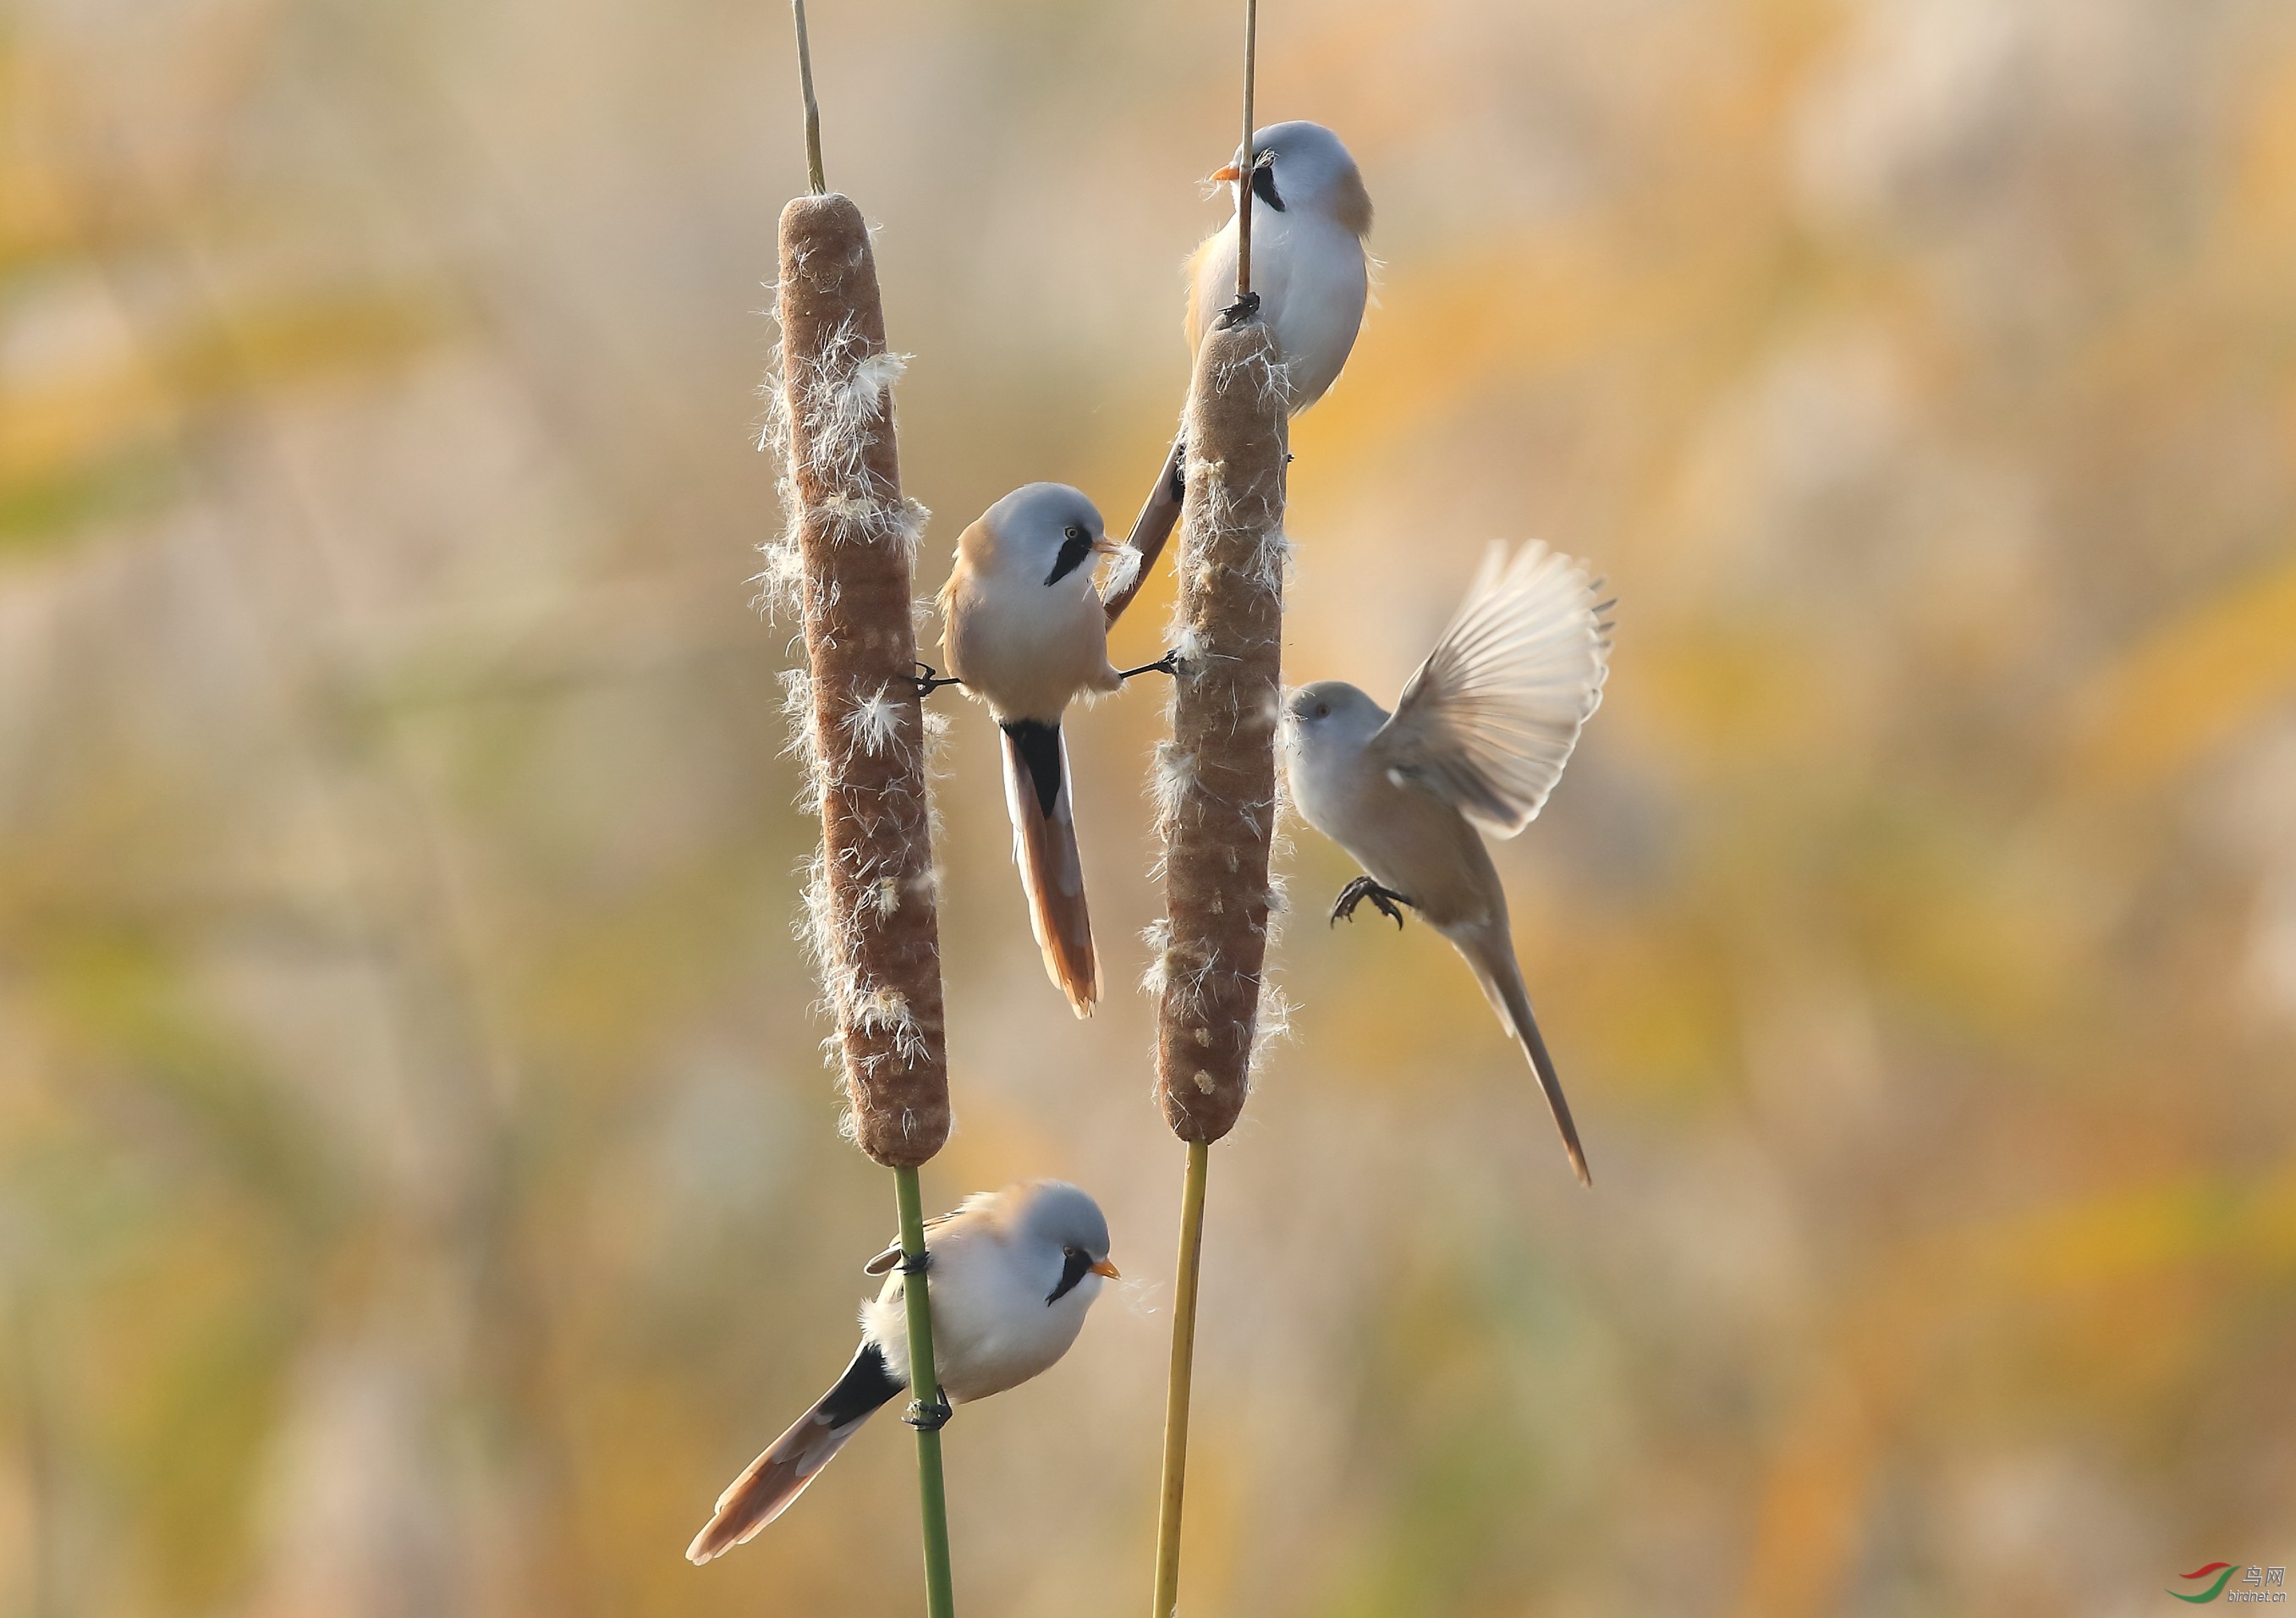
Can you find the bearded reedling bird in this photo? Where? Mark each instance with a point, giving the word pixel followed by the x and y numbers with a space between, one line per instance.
pixel 1023 629
pixel 1012 1274
pixel 1475 744
pixel 1309 272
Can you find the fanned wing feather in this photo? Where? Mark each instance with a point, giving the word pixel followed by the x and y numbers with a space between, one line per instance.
pixel 1489 721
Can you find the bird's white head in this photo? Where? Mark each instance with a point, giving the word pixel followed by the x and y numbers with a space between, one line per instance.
pixel 1301 167
pixel 1044 534
pixel 1330 713
pixel 1063 1237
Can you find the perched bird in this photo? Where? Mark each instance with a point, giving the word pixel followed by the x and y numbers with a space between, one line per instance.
pixel 1309 272
pixel 1475 744
pixel 1308 266
pixel 1022 629
pixel 1013 1273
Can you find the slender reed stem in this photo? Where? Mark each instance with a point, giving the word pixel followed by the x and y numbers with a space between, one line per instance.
pixel 1250 158
pixel 812 108
pixel 925 1387
pixel 1183 1377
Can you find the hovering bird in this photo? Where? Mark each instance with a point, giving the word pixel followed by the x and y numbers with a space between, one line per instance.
pixel 1023 629
pixel 1475 744
pixel 1012 1274
pixel 1310 277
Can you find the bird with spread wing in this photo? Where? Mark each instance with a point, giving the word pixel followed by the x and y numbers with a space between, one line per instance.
pixel 1476 743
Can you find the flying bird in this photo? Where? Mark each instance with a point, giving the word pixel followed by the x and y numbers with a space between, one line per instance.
pixel 1310 275
pixel 1012 1274
pixel 1023 629
pixel 1475 744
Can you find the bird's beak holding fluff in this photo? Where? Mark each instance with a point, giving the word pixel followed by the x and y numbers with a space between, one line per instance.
pixel 1230 173
pixel 1108 1270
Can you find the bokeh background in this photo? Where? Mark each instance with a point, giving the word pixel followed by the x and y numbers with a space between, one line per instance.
pixel 419 1186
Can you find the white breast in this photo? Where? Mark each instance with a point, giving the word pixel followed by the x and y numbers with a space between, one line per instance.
pixel 1313 282
pixel 992 1328
pixel 1027 650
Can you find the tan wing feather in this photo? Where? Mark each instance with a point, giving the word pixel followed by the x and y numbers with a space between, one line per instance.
pixel 1194 320
pixel 1489 720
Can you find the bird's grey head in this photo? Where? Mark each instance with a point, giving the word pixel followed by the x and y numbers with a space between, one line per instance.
pixel 1302 167
pixel 1331 713
pixel 1048 533
pixel 1063 1231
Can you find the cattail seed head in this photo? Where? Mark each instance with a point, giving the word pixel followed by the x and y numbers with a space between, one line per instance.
pixel 1215 787
pixel 870 904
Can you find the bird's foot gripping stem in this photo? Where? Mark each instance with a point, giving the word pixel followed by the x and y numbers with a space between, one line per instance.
pixel 1242 309
pixel 930 1417
pixel 1383 900
pixel 929 679
pixel 1169 663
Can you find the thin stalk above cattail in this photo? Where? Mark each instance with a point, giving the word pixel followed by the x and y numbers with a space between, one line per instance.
pixel 813 174
pixel 847 564
pixel 1153 526
pixel 1251 163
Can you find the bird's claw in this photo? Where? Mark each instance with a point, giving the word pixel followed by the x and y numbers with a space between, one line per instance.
pixel 1242 309
pixel 1383 900
pixel 929 679
pixel 918 1265
pixel 930 1417
pixel 1169 663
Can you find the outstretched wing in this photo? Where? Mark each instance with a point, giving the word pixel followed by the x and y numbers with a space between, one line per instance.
pixel 1489 720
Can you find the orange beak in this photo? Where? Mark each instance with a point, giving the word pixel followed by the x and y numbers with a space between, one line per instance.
pixel 1106 546
pixel 1106 1269
pixel 1229 173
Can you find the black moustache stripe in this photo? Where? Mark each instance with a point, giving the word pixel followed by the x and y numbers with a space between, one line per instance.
pixel 1071 1272
pixel 1072 557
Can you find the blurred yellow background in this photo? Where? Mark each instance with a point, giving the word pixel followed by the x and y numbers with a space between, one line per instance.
pixel 419 1191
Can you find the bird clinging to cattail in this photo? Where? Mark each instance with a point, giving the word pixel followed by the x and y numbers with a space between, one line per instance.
pixel 1311 276
pixel 1023 629
pixel 1309 269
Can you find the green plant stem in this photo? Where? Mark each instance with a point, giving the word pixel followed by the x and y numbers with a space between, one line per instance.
pixel 925 1387
pixel 1182 1378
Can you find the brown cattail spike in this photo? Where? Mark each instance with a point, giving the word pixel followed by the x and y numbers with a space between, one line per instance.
pixel 872 901
pixel 1216 791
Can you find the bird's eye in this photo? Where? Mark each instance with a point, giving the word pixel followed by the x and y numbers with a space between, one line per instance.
pixel 1074 532
pixel 1323 710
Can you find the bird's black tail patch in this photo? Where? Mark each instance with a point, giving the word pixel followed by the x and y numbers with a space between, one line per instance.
pixel 1039 747
pixel 868 1384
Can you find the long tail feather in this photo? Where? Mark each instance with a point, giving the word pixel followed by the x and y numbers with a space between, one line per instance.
pixel 1495 968
pixel 777 1477
pixel 1044 848
pixel 1152 527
